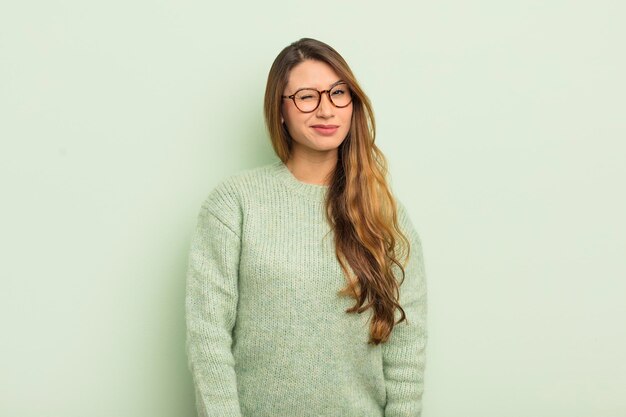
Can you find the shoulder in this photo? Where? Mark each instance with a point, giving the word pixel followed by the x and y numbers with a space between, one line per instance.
pixel 404 218
pixel 407 226
pixel 414 268
pixel 226 199
pixel 240 185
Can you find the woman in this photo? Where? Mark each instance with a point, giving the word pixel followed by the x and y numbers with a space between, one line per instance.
pixel 306 291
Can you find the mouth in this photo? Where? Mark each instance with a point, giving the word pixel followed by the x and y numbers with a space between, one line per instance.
pixel 325 129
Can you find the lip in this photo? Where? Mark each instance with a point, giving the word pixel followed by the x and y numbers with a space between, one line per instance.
pixel 325 130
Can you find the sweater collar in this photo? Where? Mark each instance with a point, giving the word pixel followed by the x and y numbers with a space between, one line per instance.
pixel 311 191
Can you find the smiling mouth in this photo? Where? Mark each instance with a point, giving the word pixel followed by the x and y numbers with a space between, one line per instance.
pixel 325 130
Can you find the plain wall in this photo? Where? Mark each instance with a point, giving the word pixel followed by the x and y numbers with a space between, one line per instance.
pixel 503 123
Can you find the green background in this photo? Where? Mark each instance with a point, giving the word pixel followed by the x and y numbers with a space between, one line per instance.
pixel 504 127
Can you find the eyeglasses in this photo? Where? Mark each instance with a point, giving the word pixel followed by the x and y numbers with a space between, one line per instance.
pixel 307 100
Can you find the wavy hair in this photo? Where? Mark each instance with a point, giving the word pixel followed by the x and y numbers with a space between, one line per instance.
pixel 360 207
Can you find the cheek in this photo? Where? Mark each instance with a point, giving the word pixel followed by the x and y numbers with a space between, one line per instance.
pixel 347 111
pixel 347 117
pixel 293 124
pixel 295 119
pixel 289 117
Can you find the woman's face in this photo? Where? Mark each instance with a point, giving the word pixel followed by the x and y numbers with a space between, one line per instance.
pixel 325 128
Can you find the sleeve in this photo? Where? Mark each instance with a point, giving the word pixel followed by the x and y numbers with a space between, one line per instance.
pixel 210 313
pixel 404 352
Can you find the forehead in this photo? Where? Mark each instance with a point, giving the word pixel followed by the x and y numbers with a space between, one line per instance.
pixel 314 74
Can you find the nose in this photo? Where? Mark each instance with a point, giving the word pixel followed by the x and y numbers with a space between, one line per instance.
pixel 325 109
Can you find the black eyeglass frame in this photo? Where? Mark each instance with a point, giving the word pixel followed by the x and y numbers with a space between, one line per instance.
pixel 319 97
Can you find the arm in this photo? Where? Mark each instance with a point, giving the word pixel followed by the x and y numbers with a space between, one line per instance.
pixel 211 308
pixel 404 352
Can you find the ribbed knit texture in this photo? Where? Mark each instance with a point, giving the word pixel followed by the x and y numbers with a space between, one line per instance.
pixel 267 333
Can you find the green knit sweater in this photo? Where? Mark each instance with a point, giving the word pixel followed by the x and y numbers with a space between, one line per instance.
pixel 267 333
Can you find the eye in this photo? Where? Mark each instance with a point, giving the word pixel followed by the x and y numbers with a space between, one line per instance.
pixel 307 95
pixel 338 92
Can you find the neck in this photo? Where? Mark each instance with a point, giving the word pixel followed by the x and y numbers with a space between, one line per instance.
pixel 312 169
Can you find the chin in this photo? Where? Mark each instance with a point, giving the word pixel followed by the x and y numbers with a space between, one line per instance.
pixel 328 146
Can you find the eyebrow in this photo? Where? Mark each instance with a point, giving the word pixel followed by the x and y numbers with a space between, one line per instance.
pixel 331 86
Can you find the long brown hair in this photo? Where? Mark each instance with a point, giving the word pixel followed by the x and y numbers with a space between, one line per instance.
pixel 360 207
